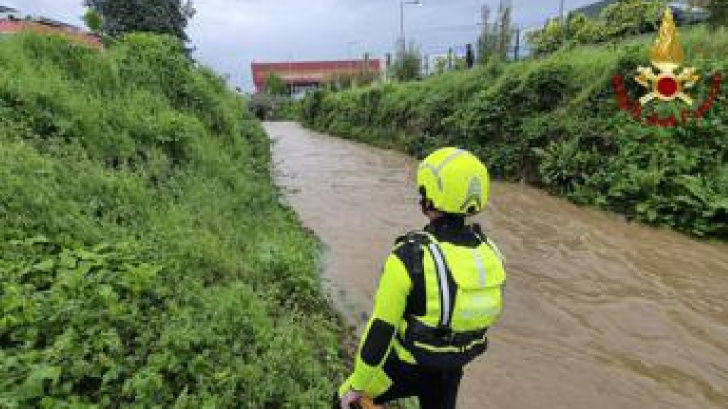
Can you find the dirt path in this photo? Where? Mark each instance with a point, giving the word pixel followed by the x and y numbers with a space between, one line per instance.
pixel 599 313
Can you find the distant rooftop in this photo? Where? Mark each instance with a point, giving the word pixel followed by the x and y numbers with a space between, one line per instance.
pixel 55 23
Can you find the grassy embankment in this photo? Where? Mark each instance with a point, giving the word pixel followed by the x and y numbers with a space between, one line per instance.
pixel 145 260
pixel 554 122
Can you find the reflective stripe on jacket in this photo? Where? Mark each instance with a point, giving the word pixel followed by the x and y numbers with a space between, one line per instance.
pixel 417 320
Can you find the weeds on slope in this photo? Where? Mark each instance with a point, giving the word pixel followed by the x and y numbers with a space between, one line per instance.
pixel 554 122
pixel 145 260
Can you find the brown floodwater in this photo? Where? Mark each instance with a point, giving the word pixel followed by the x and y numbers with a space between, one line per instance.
pixel 600 313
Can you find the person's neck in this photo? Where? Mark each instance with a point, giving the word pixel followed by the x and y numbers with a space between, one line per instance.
pixel 445 220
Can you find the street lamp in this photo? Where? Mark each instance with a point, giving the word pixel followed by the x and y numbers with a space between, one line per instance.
pixel 401 21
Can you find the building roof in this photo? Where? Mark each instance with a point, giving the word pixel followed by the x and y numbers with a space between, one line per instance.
pixel 315 65
pixel 15 26
pixel 308 72
pixel 4 9
pixel 55 23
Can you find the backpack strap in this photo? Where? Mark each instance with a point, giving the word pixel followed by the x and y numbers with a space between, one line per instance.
pixel 410 249
pixel 478 231
pixel 415 237
pixel 446 285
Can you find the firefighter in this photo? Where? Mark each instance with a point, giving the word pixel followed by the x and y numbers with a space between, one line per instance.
pixel 439 292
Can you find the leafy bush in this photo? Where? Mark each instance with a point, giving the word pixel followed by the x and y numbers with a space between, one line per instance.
pixel 617 20
pixel 269 107
pixel 145 260
pixel 554 122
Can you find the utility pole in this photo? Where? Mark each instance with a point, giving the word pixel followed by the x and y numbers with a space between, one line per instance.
pixel 561 13
pixel 517 48
pixel 401 28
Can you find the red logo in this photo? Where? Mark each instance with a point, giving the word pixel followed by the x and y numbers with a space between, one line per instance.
pixel 665 83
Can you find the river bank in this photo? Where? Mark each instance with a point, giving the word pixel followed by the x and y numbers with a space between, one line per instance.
pixel 145 258
pixel 555 123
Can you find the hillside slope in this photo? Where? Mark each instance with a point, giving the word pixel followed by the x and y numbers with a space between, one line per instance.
pixel 554 122
pixel 145 260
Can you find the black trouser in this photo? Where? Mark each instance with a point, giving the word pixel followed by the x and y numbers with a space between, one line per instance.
pixel 435 389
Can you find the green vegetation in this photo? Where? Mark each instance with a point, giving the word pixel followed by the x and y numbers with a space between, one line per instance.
pixel 345 80
pixel 495 36
pixel 287 110
pixel 449 62
pixel 277 108
pixel 145 260
pixel 554 122
pixel 274 85
pixel 407 65
pixel 117 17
pixel 617 20
pixel 718 11
pixel 93 21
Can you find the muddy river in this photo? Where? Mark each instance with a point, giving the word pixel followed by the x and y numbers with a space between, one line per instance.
pixel 600 313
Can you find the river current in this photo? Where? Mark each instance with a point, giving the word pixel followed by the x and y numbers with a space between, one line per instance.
pixel 600 313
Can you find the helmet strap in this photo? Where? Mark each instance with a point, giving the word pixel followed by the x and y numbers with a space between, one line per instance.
pixel 425 203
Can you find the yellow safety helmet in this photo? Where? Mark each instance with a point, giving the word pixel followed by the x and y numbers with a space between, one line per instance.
pixel 454 181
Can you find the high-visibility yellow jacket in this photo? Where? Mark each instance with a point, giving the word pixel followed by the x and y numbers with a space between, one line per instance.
pixel 440 290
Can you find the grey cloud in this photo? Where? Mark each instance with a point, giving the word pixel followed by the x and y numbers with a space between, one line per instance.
pixel 230 34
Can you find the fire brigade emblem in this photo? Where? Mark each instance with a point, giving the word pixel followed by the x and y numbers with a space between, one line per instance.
pixel 666 80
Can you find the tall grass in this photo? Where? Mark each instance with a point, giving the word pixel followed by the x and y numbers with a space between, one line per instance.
pixel 554 122
pixel 145 260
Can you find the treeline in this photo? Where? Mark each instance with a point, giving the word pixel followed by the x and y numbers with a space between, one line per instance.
pixel 554 122
pixel 618 21
pixel 145 260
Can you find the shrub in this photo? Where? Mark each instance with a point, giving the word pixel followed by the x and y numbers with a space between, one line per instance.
pixel 554 122
pixel 145 260
pixel 615 21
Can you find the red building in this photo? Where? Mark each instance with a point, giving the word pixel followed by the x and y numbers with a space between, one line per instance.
pixel 46 26
pixel 310 74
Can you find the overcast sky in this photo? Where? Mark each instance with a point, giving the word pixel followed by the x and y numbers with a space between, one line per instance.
pixel 230 34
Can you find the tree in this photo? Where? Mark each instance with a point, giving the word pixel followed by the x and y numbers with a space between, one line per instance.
pixel 92 20
pixel 485 39
pixel 505 29
pixel 548 39
pixel 449 62
pixel 345 80
pixel 495 38
pixel 274 85
pixel 157 16
pixel 407 67
pixel 584 30
pixel 630 17
pixel 718 13
pixel 623 18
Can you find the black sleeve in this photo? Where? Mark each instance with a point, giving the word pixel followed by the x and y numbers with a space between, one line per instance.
pixel 377 342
